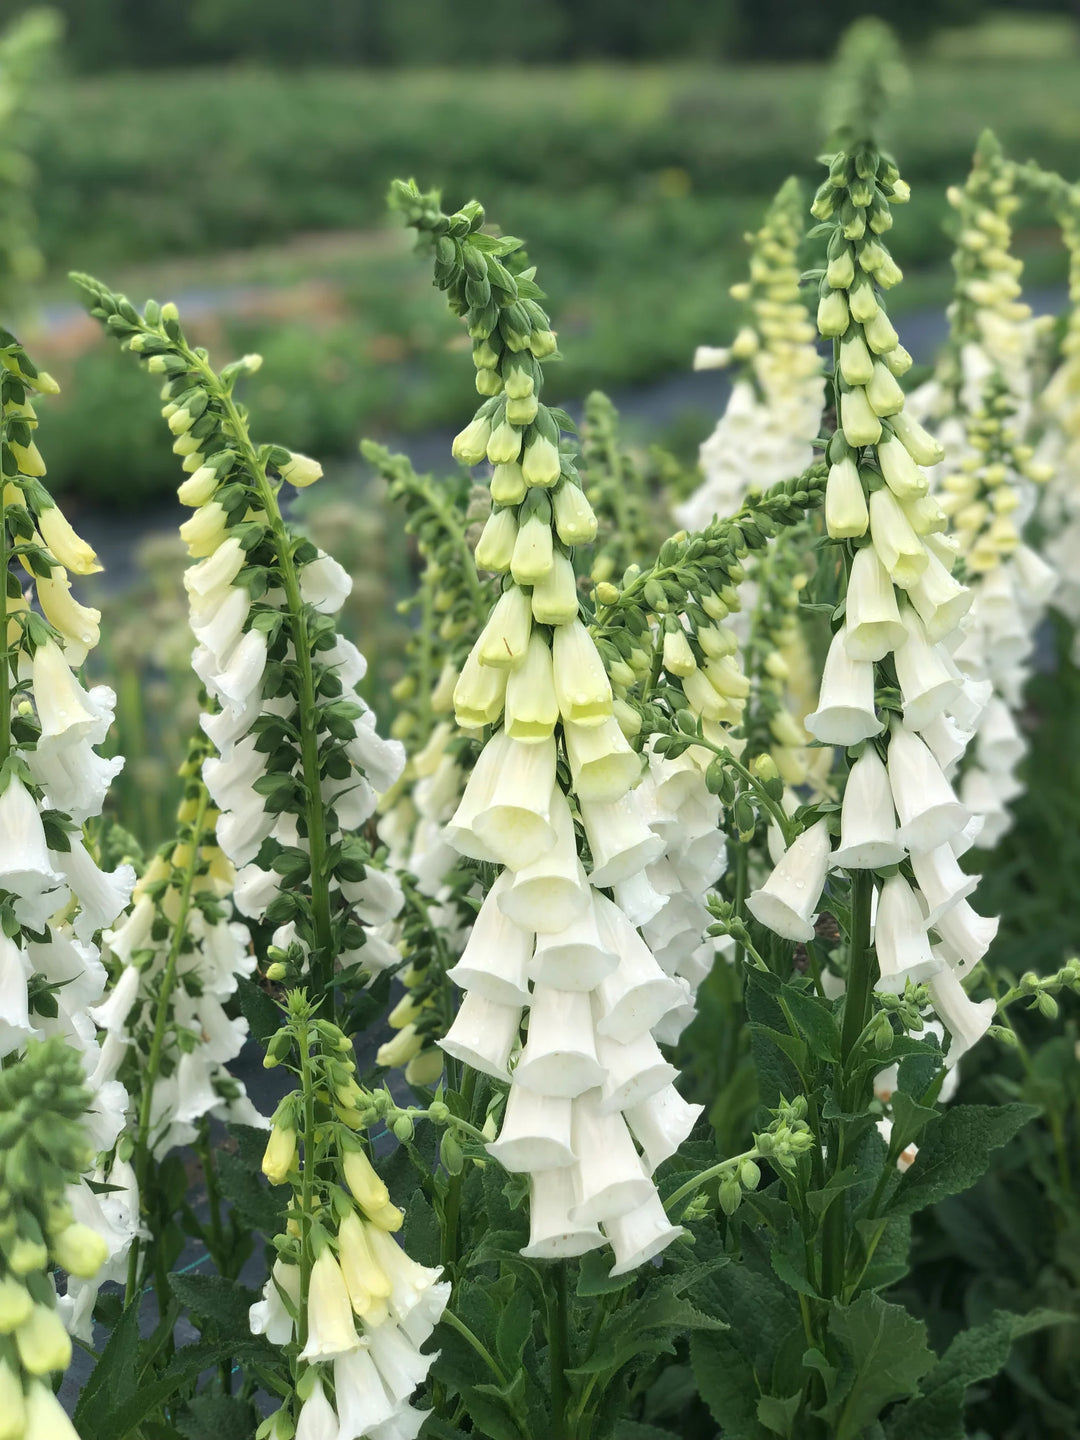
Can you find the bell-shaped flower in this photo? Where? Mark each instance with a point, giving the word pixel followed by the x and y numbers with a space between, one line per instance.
pixel 966 935
pixel 575 958
pixel 612 1177
pixel 928 683
pixel 496 957
pixel 64 708
pixel 620 841
pixel 898 547
pixel 25 867
pixel 15 1026
pixel 548 894
pixel 553 1235
pixel 632 1072
pixel 483 1035
pixel 514 825
pixel 900 938
pixel 42 1342
pixel 240 680
pixel 846 514
pixel 400 1365
pixel 966 1020
pixel 923 448
pixel 641 1235
pixel 858 421
pixel 1038 580
pixel 872 623
pixel 325 584
pixel 603 766
pixel 217 620
pixel 638 898
pixel 1000 745
pixel 929 812
pixel 532 708
pixel 845 713
pixel 856 362
pixel 78 624
pixel 271 1316
pixel 363 1402
pixel 477 797
pixel 581 682
pixel 241 831
pixel 330 1326
pixel 46 1418
pixel 505 638
pixel 940 880
pixel 555 597
pixel 868 820
pixel 661 1123
pixel 947 741
pixel 941 601
pixel 381 760
pixel 885 395
pixel 413 1287
pixel 902 475
pixel 66 546
pixel 637 993
pixel 101 896
pixel 533 553
pixel 73 778
pixel 559 1057
pixel 786 902
pixel 575 519
pixel 365 1280
pixel 479 692
pixel 318 1419
pixel 496 544
pixel 535 1132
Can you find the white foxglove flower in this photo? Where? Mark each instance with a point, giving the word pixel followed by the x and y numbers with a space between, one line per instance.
pixel 514 825
pixel 535 1132
pixel 632 1072
pixel 559 1057
pixel 483 1035
pixel 547 895
pixel 553 1235
pixel 966 936
pixel 940 880
pixel 787 900
pixel 633 997
pixel 641 1235
pixel 330 1327
pixel 603 766
pixel 845 713
pixel 872 626
pixel 575 958
pixel 930 814
pixel 928 685
pixel 612 1177
pixel 25 867
pixel 318 1420
pixel 620 841
pixel 868 838
pixel 900 938
pixel 495 960
pixel 966 1020
pixel 661 1123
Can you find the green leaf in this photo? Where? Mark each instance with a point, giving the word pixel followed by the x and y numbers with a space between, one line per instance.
pixel 635 1430
pixel 225 1417
pixel 728 1386
pixel 211 1297
pixel 957 1152
pixel 258 1009
pixel 820 1200
pixel 779 1415
pixel 909 1119
pixel 815 1019
pixel 594 1277
pixel 514 1330
pixel 113 1379
pixel 976 1354
pixel 886 1355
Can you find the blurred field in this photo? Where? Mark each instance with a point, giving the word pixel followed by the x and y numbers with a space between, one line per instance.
pixel 257 197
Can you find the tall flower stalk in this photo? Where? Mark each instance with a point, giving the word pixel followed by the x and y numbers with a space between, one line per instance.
pixel 298 759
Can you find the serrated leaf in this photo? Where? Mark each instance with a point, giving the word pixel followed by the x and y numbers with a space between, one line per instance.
pixel 212 1297
pixel 957 1152
pixel 727 1385
pixel 225 1417
pixel 514 1330
pixel 262 1015
pixel 886 1355
pixel 815 1020
pixel 778 1414
pixel 976 1354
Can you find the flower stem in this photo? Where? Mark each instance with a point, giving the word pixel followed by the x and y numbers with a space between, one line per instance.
pixel 307 1177
pixel 161 1023
pixel 559 1353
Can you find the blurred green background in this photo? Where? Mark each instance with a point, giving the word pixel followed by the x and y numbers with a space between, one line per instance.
pixel 234 155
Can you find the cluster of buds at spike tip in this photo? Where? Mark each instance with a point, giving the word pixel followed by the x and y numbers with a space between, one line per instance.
pixel 451 601
pixel 343 1293
pixel 552 802
pixel 44 1149
pixel 175 959
pixel 1059 415
pixel 299 762
pixel 891 693
pixel 774 411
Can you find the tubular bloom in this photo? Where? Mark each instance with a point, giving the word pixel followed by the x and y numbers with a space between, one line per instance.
pixel 298 763
pixel 546 937
pixel 342 1286
pixel 899 805
pixel 987 488
pixel 55 897
pixel 46 1147
pixel 774 410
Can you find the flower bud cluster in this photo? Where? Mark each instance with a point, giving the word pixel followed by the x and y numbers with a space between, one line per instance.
pixel 774 410
pixel 343 1296
pixel 552 802
pixel 44 1150
pixel 891 693
pixel 298 759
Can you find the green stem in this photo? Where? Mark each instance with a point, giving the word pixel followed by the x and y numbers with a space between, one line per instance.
pixel 322 956
pixel 449 1247
pixel 307 1176
pixel 713 1171
pixel 559 1354
pixel 5 668
pixel 449 1318
pixel 739 897
pixel 161 1025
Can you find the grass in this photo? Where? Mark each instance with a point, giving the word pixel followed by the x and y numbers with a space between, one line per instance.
pixel 633 187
